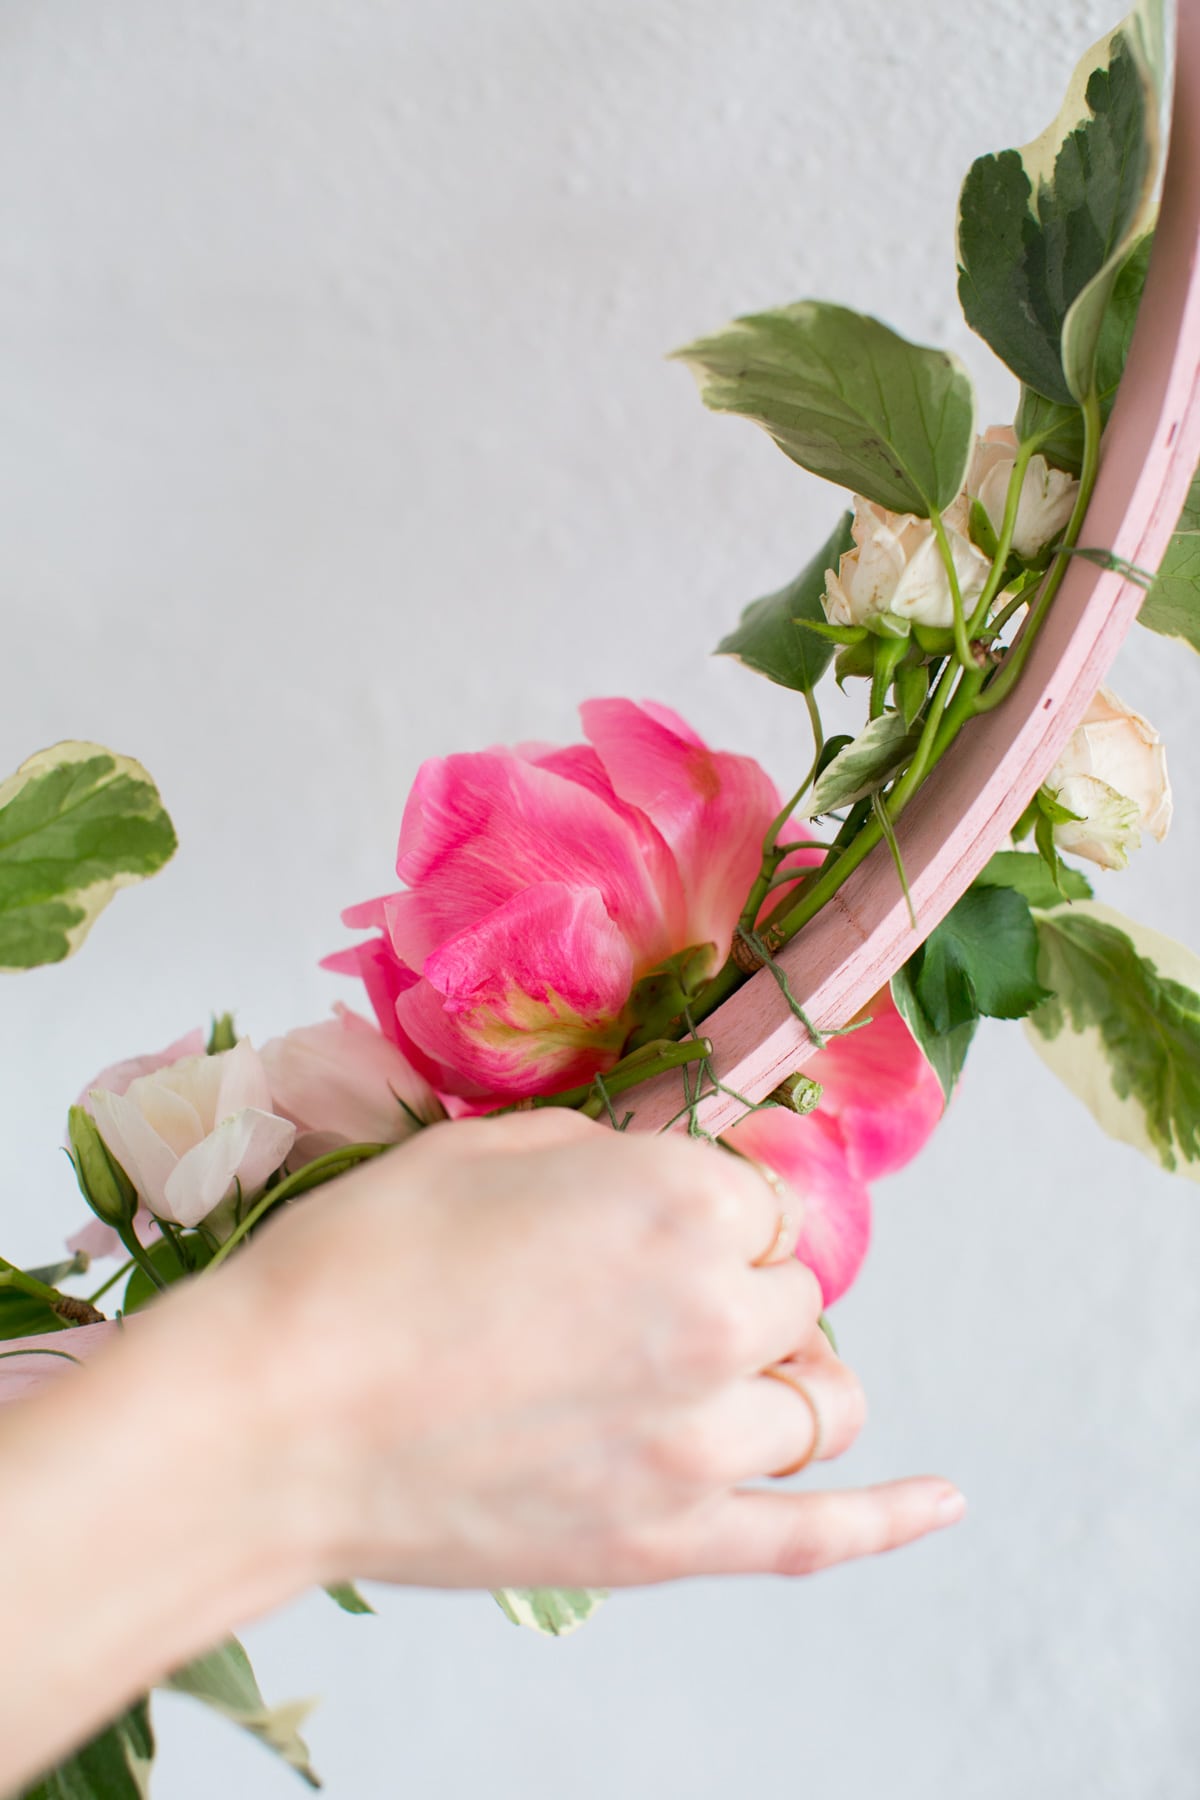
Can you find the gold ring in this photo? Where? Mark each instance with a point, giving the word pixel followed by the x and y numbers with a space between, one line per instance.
pixel 784 1231
pixel 778 1373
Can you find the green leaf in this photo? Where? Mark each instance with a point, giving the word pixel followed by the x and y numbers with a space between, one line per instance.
pixel 944 1051
pixel 911 689
pixel 76 823
pixel 862 767
pixel 1028 874
pixel 1059 429
pixel 555 1612
pixel 982 958
pixel 1172 607
pixel 114 1766
pixel 22 1315
pixel 225 1681
pixel 1044 230
pixel 847 398
pixel 770 638
pixel 347 1596
pixel 1121 1029
pixel 140 1290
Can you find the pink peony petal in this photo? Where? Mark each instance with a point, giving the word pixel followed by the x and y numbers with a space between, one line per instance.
pixel 529 1000
pixel 880 1089
pixel 811 1154
pixel 381 972
pixel 479 830
pixel 711 807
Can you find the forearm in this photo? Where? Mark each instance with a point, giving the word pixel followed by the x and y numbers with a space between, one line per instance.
pixel 140 1519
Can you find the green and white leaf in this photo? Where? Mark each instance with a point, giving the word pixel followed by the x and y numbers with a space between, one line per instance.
pixel 1121 1029
pixel 347 1596
pixel 769 638
pixel 114 1766
pixel 981 959
pixel 864 765
pixel 1043 230
pixel 554 1612
pixel 1059 429
pixel 944 1051
pixel 846 398
pixel 1029 875
pixel 77 822
pixel 225 1681
pixel 1172 607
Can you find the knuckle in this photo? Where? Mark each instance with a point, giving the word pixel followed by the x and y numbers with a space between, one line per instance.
pixel 713 1335
pixel 689 1455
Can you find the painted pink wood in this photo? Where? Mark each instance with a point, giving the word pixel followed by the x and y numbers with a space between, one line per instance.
pixel 966 808
pixel 24 1364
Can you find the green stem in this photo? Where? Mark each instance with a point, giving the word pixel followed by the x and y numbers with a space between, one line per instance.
pixel 137 1251
pixel 110 1283
pixel 1007 676
pixel 315 1174
pixel 962 647
pixel 1008 526
pixel 652 1059
pixel 21 1283
pixel 770 853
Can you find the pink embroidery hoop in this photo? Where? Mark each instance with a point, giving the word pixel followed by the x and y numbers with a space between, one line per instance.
pixel 1151 449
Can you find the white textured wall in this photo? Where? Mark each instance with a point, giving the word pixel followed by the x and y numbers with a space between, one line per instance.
pixel 335 431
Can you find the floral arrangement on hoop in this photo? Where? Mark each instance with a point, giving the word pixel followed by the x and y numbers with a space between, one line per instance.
pixel 571 916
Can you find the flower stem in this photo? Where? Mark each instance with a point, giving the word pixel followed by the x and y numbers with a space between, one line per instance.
pixel 962 647
pixel 650 1060
pixel 137 1251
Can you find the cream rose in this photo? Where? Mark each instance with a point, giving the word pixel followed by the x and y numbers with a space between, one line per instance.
pixel 1047 495
pixel 190 1134
pixel 896 567
pixel 1113 776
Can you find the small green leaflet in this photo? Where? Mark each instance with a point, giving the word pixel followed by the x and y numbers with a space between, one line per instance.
pixel 1121 1029
pixel 1043 230
pixel 114 1766
pixel 76 823
pixel 347 1596
pixel 944 1051
pixel 862 767
pixel 769 640
pixel 1059 429
pixel 1029 875
pixel 1172 607
pixel 555 1612
pixel 225 1681
pixel 982 958
pixel 847 398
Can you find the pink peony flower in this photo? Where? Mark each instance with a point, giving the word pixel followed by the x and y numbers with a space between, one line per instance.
pixel 342 1082
pixel 543 883
pixel 880 1103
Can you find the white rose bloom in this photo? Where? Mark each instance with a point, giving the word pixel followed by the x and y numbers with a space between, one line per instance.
pixel 1047 495
pixel 1113 774
pixel 342 1082
pixel 896 567
pixel 188 1134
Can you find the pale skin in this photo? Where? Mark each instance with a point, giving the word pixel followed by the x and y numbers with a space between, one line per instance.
pixel 516 1352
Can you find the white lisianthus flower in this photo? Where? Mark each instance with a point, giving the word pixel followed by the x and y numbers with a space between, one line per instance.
pixel 1113 776
pixel 896 567
pixel 190 1134
pixel 1047 495
pixel 342 1082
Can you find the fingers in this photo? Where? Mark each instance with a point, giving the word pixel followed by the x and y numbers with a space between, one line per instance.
pixel 755 1426
pixel 797 1534
pixel 783 1305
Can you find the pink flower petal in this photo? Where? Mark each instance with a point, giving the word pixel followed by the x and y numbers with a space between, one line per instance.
pixel 811 1154
pixel 381 972
pixel 343 1080
pixel 880 1089
pixel 528 1001
pixel 480 829
pixel 117 1077
pixel 711 807
pixel 247 1148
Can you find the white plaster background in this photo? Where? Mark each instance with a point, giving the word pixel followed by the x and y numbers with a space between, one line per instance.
pixel 335 432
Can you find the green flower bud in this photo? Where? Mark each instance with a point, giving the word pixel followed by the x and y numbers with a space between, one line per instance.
pixel 102 1181
pixel 223 1035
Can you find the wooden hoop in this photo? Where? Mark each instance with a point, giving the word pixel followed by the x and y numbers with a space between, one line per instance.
pixel 1151 449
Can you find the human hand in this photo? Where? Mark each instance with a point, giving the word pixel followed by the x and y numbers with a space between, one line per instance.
pixel 528 1351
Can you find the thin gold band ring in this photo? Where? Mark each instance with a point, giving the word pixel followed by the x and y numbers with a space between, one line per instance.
pixel 781 1373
